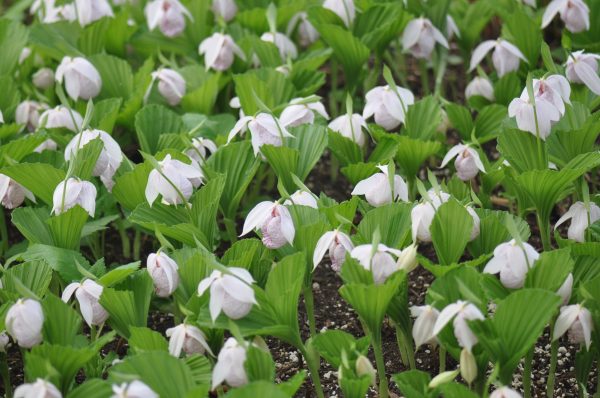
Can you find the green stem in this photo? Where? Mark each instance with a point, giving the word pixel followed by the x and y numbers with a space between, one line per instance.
pixel 527 373
pixel 334 84
pixel 552 371
pixel 440 71
pixel 5 375
pixel 442 357
pixel 544 227
pixel 406 349
pixel 401 348
pixel 125 242
pixel 383 384
pixel 230 228
pixel 424 77
pixel 313 362
pixel 309 304
pixel 3 233
pixel 137 244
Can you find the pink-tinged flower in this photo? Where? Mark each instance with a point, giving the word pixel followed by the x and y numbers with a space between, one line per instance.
pixel 351 127
pixel 28 113
pixel 225 9
pixel 43 78
pixel 200 149
pixel 505 392
pixel 264 129
pixel 163 271
pixel 583 68
pixel 187 338
pixel 574 13
pixel 275 223
pixel 337 244
pixel 422 332
pixel 12 194
pixel 480 86
pixel 380 262
pixel 566 289
pixel 171 85
pixel 174 180
pixel 307 34
pixel 167 15
pixel 219 51
pixel 24 321
pixel 506 56
pixel 286 47
pixel 134 389
pixel 344 9
pixel 378 190
pixel 230 292
pixel 89 11
pixel 88 295
pixel 388 107
pixel 420 36
pixel 230 365
pixel 467 162
pixel 77 193
pixel 61 117
pixel 581 218
pixel 512 262
pixel 460 312
pixel 39 389
pixel 82 79
pixel 577 320
pixel 302 198
pixel 522 109
pixel 299 112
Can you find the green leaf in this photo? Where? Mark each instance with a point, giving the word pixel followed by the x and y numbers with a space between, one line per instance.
pixel 492 231
pixel 488 122
pixel 270 86
pixel 259 365
pixel 331 344
pixel 151 122
pixel 202 99
pixel 423 118
pixel 63 261
pixel 380 24
pixel 40 178
pixel 66 227
pixel 520 150
pixel 310 141
pixel 413 383
pixel 118 274
pixel 56 40
pixel 94 388
pixel 130 188
pixel 450 231
pixel 257 389
pixel 205 204
pixel 524 32
pixel 357 172
pixel 34 275
pixel 105 114
pixel 13 37
pixel 550 270
pixel 31 222
pixel 93 36
pixel 564 145
pixel 143 339
pixel 64 323
pixel 412 153
pixel 393 222
pixel 344 149
pixel 507 88
pixel 116 74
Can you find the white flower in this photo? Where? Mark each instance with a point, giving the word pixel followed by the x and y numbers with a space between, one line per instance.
pixel 230 365
pixel 200 148
pixel 378 190
pixel 175 179
pixel 307 34
pixel 89 11
pixel 565 290
pixel 167 15
pixel 512 262
pixel 389 107
pixel 187 338
pixel 380 261
pixel 88 295
pixel 1 117
pixel 4 340
pixel 275 223
pixel 82 79
pixel 350 127
pixel 467 162
pixel 230 292
pixel 43 78
pixel 522 109
pixel 343 8
pixel 65 12
pixel 25 53
pixel 420 36
pixel 110 157
pixel 12 194
pixel 24 321
pixel 77 192
pixel 407 260
pixel 298 112
pixel 39 389
pixel 505 392
pixel 580 218
pixel 219 50
pixel 583 68
pixel 506 56
pixel 480 86
pixel 422 331
pixel 555 89
pixel 48 144
pixel 364 367
pixel 468 366
pixel 578 321
pixel 225 9
pixel 574 13
pixel 264 128
pixel 302 198
pixel 163 271
pixel 337 244
pixel 171 85
pixel 461 312
pixel 134 389
pixel 286 47
pixel 28 113
pixel 451 28
pixel 61 117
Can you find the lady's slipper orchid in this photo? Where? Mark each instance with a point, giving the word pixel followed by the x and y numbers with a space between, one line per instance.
pixel 225 9
pixel 134 389
pixel 187 338
pixel 61 117
pixel 566 289
pixel 219 51
pixel 12 194
pixel 506 56
pixel 28 113
pixel 523 110
pixel 76 192
pixel 583 68
pixel 88 295
pixel 574 13
pixel 422 332
pixel 480 86
pixel 380 261
pixel 420 36
pixel 174 182
pixel 89 11
pixel 43 78
pixel 38 389
pixel 167 15
pixel 505 392
pixel 302 198
pixel 451 27
pixel 230 365
pixel 351 127
pixel 307 34
pixel 275 223
pixel 230 292
pixel 164 273
pixel 461 312
pixel 299 112
pixel 24 321
pixel 422 215
pixel 337 244
pixel 264 129
pixel 286 47
pixel 555 89
pixel 200 149
pixel 82 79
pixel 512 262
pixel 378 190
pixel 467 162
pixel 344 9
pixel 580 218
pixel 577 320
pixel 171 85
pixel 388 107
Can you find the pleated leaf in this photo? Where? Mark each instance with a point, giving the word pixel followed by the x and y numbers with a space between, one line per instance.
pixel 66 227
pixel 344 149
pixel 40 178
pixel 393 222
pixel 493 231
pixel 35 276
pixel 413 152
pixel 520 149
pixel 93 388
pixel 61 260
pixel 151 122
pixel 129 189
pixel 62 323
pixel 450 231
pixel 143 339
pixel 31 222
pixel 423 118
pixel 116 74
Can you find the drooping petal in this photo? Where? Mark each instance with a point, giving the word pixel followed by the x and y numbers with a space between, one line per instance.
pixel 480 52
pixel 452 153
pixel 257 216
pixel 446 316
pixel 322 246
pixel 564 321
pixel 588 76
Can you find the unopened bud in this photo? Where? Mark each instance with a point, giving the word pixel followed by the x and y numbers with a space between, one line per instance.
pixel 468 366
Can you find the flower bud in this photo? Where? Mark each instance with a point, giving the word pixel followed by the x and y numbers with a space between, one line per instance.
pixel 88 295
pixel 275 223
pixel 230 365
pixel 377 189
pixel 82 79
pixel 461 312
pixel 482 87
pixel 420 36
pixel 298 113
pixel 172 173
pixel 76 192
pixel 24 321
pixel 28 113
pixel 163 271
pixel 171 85
pixel 230 292
pixel 407 260
pixel 188 338
pixel 364 367
pixel 167 15
pixel 134 389
pixel 12 194
pixel 219 51
pixel 468 366
pixel 43 78
pixel 61 117
pixel 380 261
pixel 443 378
pixel 40 389
pixel 350 127
pixel 467 162
pixel 225 9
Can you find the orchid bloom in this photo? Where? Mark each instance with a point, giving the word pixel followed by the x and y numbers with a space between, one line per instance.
pixel 181 179
pixel 225 9
pixel 134 389
pixel 583 68
pixel 506 56
pixel 61 117
pixel 171 85
pixel 230 292
pixel 302 198
pixel 264 129
pixel 380 261
pixel 581 218
pixel 187 338
pixel 167 15
pixel 388 107
pixel 38 389
pixel 76 193
pixel 522 109
pixel 512 262
pixel 467 162
pixel 89 11
pixel 420 37
pixel 219 51
pixel 88 295
pixel 577 320
pixel 24 321
pixel 12 194
pixel 230 365
pixel 286 47
pixel 337 243
pixel 82 80
pixel 344 9
pixel 351 127
pixel 28 113
pixel 164 273
pixel 307 34
pixel 480 86
pixel 461 312
pixel 275 223
pixel 505 392
pixel 200 149
pixel 299 112
pixel 378 190
pixel 426 317
pixel 574 13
